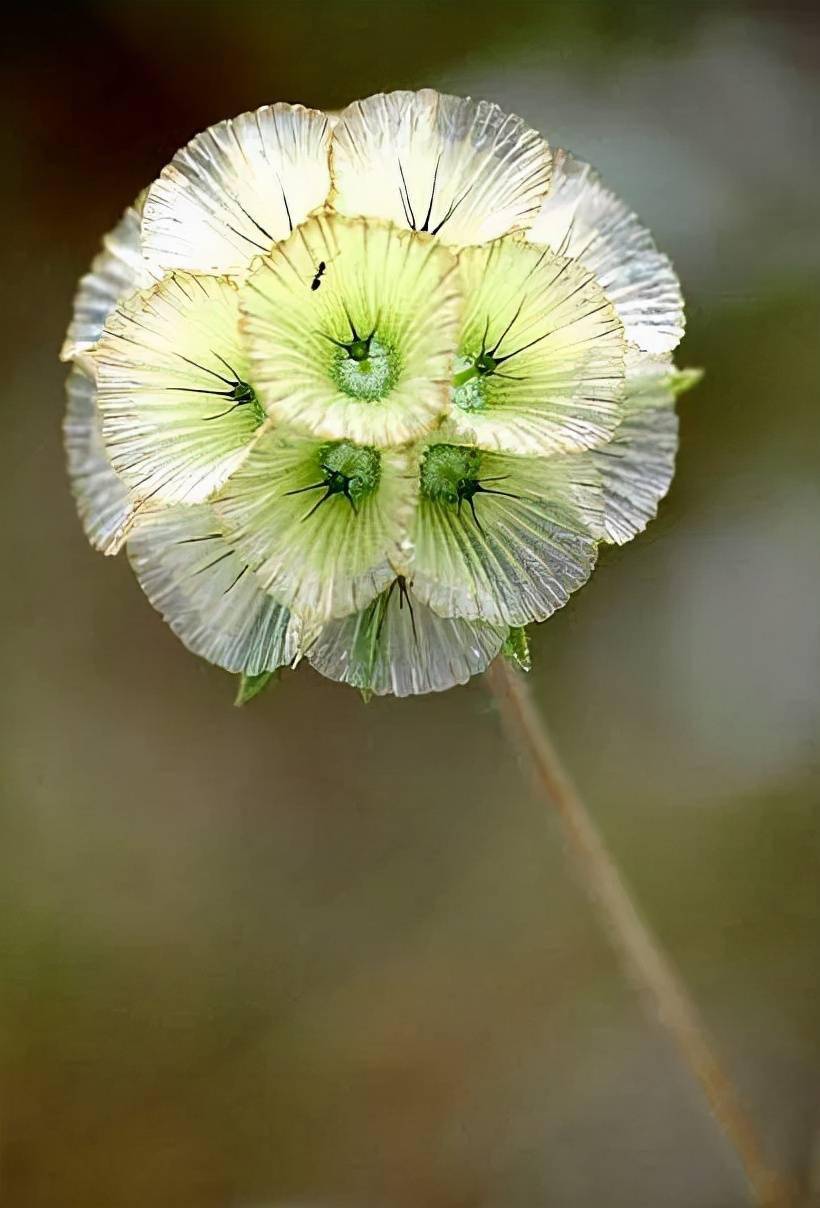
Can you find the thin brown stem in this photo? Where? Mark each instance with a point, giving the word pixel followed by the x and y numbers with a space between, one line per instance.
pixel 662 990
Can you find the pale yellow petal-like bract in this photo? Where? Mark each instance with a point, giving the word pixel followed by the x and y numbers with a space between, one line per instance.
pixel 178 413
pixel 555 376
pixel 322 554
pixel 336 279
pixel 514 543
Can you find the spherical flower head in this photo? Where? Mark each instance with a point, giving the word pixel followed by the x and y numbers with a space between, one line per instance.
pixel 370 392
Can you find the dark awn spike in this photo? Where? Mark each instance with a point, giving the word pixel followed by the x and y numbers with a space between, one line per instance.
pixel 334 483
pixel 239 394
pixel 358 348
pixel 404 598
pixel 407 205
pixel 468 488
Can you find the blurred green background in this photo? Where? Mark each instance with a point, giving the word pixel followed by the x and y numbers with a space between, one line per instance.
pixel 318 954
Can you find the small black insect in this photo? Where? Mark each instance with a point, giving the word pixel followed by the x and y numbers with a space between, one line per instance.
pixel 317 280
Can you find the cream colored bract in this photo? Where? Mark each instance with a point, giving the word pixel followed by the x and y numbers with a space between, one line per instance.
pixel 371 391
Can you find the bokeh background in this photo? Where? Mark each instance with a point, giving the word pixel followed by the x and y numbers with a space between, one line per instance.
pixel 318 954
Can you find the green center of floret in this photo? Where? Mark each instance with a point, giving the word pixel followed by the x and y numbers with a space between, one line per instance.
pixel 474 369
pixel 448 471
pixel 242 393
pixel 451 474
pixel 469 386
pixel 239 394
pixel 369 371
pixel 344 469
pixel 366 367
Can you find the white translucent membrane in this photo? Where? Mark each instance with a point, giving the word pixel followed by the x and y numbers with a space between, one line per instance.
pixel 236 189
pixel 638 464
pixel 104 504
pixel 584 220
pixel 459 168
pixel 208 595
pixel 398 646
pixel 117 270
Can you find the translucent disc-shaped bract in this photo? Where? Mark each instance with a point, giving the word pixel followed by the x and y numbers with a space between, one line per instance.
pixel 320 523
pixel 116 271
pixel 638 464
pixel 541 354
pixel 103 501
pixel 236 189
pixel 207 593
pixel 505 539
pixel 586 221
pixel 398 645
pixel 351 326
pixel 458 168
pixel 172 376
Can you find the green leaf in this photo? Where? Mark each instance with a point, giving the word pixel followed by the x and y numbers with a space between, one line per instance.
pixel 251 685
pixel 516 648
pixel 684 379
